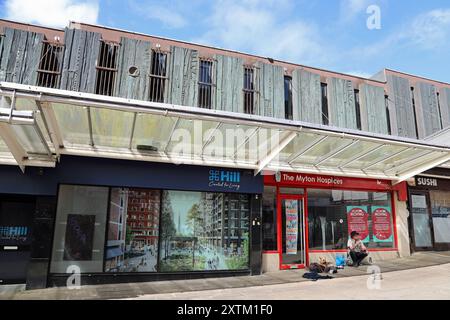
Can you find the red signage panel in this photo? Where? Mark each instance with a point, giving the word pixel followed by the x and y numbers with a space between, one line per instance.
pixel 322 181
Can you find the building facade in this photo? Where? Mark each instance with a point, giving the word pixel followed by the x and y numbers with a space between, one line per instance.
pixel 110 187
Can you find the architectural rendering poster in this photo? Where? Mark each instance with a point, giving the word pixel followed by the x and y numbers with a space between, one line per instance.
pixel 204 231
pixel 291 207
pixel 133 230
pixel 79 239
pixel 381 224
pixel 358 220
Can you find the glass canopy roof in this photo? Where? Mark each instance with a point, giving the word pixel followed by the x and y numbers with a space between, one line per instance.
pixel 41 124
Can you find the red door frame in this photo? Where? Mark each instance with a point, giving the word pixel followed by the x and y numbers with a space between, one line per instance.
pixel 304 228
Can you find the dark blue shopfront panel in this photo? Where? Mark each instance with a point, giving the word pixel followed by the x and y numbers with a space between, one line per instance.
pixel 123 173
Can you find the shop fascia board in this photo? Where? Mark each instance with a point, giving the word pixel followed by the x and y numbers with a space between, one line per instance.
pixel 47 96
pixel 331 172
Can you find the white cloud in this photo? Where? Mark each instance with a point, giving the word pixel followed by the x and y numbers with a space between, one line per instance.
pixel 349 9
pixel 52 13
pixel 165 13
pixel 431 30
pixel 263 28
pixel 428 31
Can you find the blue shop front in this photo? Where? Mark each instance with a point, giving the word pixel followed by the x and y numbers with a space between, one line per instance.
pixel 126 221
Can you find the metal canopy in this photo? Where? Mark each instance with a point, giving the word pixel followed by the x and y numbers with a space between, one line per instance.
pixel 39 124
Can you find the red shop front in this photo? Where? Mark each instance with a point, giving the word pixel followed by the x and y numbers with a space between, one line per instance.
pixel 306 214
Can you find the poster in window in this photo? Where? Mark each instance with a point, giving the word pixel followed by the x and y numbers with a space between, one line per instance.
pixel 358 220
pixel 381 224
pixel 203 231
pixel 291 207
pixel 79 239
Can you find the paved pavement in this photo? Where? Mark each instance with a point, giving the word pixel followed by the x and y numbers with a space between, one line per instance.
pixel 412 268
pixel 434 284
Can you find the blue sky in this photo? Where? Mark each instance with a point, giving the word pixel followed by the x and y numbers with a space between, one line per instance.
pixel 414 35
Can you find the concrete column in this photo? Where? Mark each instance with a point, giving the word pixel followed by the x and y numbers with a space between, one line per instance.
pixel 402 215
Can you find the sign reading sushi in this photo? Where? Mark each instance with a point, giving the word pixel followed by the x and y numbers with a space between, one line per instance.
pixel 291 207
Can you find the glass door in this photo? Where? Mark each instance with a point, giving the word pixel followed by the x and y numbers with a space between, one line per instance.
pixel 422 231
pixel 292 238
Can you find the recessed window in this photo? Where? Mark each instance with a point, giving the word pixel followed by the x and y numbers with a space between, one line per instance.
pixel 414 112
pixel 249 90
pixel 49 71
pixel 205 84
pixel 324 90
pixel 439 110
pixel 158 76
pixel 288 107
pixel 388 115
pixel 358 110
pixel 106 68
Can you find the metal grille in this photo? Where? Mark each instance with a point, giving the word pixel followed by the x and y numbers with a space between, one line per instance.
pixel 49 70
pixel 106 68
pixel 205 84
pixel 158 76
pixel 249 90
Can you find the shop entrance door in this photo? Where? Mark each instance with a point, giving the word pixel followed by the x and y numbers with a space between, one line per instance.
pixel 291 240
pixel 421 223
pixel 16 216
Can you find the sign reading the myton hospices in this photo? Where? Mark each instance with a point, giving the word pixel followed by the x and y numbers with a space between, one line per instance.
pixel 314 180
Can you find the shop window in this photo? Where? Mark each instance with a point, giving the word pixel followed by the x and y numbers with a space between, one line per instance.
pixel 158 76
pixel 440 205
pixel 80 229
pixel 333 214
pixel 269 218
pixel 249 90
pixel 106 68
pixel 205 84
pixel 199 235
pixel 49 71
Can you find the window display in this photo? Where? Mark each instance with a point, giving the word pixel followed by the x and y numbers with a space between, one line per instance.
pixel 150 231
pixel 333 214
pixel 133 230
pixel 204 231
pixel 440 206
pixel 80 228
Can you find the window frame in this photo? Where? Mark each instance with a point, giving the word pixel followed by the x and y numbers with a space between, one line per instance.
pixel 288 102
pixel 158 79
pixel 324 104
pixel 206 101
pixel 158 272
pixel 249 89
pixel 107 68
pixel 45 76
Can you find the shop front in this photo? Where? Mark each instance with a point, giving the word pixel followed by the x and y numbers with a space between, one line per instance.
pixel 144 191
pixel 306 216
pixel 125 221
pixel 429 200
